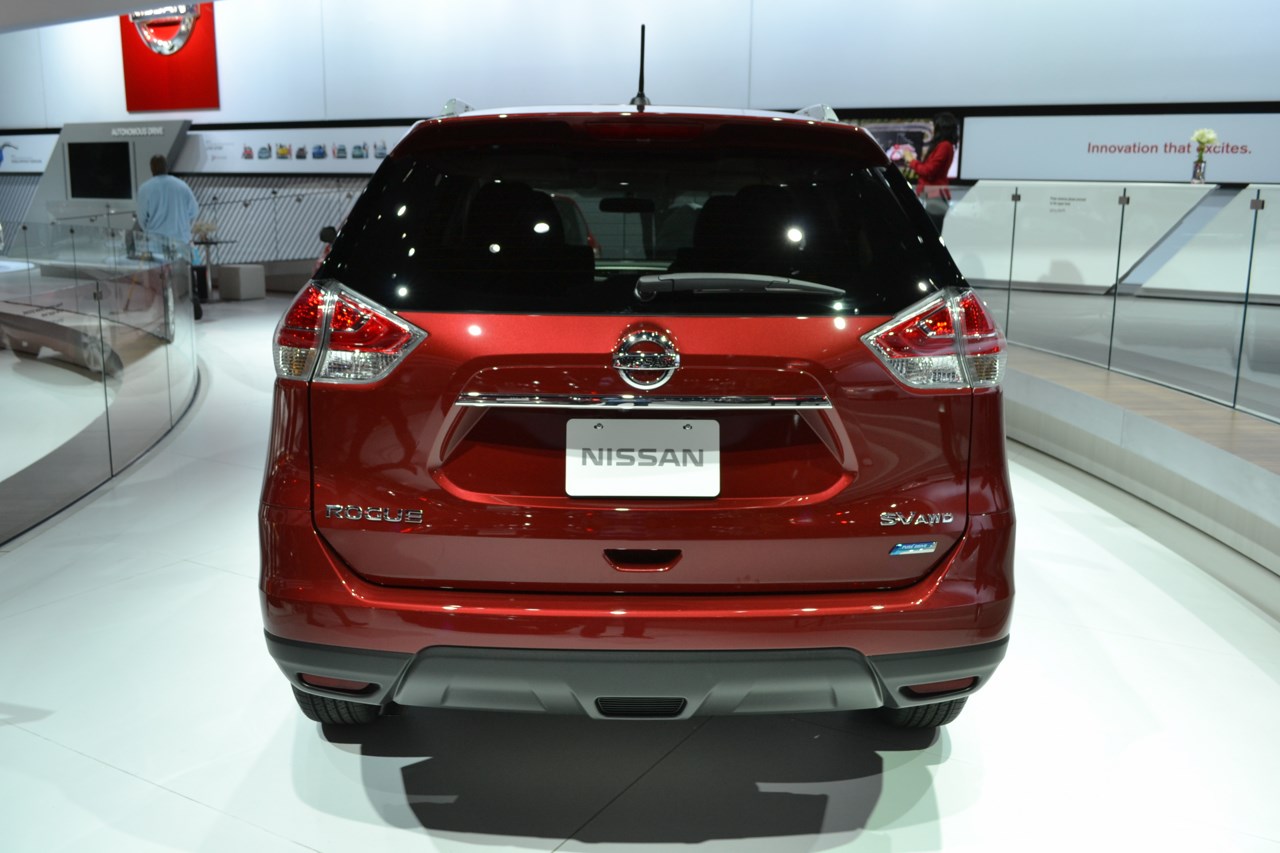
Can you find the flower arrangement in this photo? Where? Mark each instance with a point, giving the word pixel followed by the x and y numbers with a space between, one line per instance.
pixel 203 229
pixel 1203 138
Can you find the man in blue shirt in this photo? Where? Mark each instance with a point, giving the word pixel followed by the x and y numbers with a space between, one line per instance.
pixel 166 208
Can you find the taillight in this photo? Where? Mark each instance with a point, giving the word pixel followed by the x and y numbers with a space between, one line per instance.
pixel 922 349
pixel 331 335
pixel 298 334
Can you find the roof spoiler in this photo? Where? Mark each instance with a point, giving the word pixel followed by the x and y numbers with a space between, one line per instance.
pixel 821 112
pixel 454 107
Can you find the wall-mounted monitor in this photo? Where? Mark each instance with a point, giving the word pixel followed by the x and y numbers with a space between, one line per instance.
pixel 101 170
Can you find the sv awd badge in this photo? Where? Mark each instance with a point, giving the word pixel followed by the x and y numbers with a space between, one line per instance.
pixel 890 519
pixel 373 513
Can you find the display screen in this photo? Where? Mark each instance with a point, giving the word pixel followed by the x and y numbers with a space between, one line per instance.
pixel 100 169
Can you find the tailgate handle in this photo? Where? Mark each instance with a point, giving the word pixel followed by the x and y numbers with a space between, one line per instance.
pixel 642 559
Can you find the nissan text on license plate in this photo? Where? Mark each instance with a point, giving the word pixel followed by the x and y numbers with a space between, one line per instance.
pixel 642 458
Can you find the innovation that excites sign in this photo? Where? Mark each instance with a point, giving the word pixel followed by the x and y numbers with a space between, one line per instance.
pixel 170 58
pixel 1121 147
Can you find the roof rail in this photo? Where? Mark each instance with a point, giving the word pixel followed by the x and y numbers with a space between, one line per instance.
pixel 821 112
pixel 454 107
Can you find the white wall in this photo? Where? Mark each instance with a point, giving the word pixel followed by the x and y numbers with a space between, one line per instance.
pixel 326 60
pixel 22 103
pixel 1015 52
pixel 413 56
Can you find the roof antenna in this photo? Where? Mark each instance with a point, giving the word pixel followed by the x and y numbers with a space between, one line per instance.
pixel 640 101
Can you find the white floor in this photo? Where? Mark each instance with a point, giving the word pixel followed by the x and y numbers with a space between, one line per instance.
pixel 1138 710
pixel 47 402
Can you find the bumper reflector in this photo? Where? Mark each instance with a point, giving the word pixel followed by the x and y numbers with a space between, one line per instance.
pixel 342 684
pixel 937 688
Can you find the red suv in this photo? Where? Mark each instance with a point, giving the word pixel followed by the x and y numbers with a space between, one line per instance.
pixel 743 455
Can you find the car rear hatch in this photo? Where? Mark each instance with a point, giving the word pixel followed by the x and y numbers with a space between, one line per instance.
pixel 684 408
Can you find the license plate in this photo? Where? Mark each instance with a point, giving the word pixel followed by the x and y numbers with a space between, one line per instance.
pixel 642 458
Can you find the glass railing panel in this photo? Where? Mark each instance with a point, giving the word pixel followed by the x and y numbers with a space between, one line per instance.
pixel 138 287
pixel 1158 218
pixel 1180 311
pixel 1066 240
pixel 19 275
pixel 1259 388
pixel 181 351
pixel 51 249
pixel 54 428
pixel 978 230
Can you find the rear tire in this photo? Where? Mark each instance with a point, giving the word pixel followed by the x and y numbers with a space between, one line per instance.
pixel 924 716
pixel 335 712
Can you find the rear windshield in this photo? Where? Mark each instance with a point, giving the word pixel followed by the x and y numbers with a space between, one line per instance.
pixel 559 229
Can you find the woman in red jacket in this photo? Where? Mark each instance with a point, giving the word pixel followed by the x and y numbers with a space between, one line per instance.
pixel 933 185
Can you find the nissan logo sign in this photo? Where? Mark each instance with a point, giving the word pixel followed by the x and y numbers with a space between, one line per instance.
pixel 646 359
pixel 179 20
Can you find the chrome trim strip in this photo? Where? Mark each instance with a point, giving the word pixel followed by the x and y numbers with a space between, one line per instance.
pixel 636 401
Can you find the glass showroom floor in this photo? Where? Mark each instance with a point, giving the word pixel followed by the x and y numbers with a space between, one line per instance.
pixel 139 710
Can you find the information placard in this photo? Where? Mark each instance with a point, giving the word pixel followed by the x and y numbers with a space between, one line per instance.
pixel 292 151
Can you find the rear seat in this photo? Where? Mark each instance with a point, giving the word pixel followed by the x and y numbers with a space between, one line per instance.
pixel 516 231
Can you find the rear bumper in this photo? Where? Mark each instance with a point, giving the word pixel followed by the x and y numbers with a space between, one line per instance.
pixel 309 595
pixel 556 652
pixel 671 685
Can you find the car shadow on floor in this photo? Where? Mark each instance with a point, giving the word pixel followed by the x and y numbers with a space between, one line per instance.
pixel 508 776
